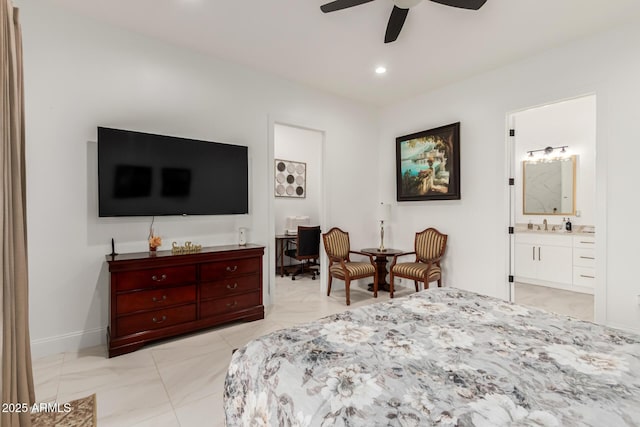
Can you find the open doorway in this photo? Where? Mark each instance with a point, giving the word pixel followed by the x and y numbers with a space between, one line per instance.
pixel 297 194
pixel 554 206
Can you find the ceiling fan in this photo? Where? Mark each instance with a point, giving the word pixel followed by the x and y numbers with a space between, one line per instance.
pixel 400 11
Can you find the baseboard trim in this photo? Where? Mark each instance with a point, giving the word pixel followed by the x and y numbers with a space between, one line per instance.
pixel 623 327
pixel 70 342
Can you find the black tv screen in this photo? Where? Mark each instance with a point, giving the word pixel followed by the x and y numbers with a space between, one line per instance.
pixel 142 174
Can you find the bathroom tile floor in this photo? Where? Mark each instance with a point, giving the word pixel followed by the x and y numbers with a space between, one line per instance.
pixel 558 301
pixel 179 382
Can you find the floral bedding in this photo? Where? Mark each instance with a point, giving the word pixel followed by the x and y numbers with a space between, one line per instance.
pixel 442 357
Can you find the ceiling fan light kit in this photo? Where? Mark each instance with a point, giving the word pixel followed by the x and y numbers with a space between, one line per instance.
pixel 400 11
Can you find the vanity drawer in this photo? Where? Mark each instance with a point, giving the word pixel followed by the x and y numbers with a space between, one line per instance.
pixel 154 299
pixel 584 276
pixel 584 257
pixel 156 319
pixel 543 239
pixel 228 305
pixel 222 269
pixel 230 286
pixel 584 242
pixel 161 276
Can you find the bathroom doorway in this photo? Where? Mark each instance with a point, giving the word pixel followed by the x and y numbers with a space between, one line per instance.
pixel 553 207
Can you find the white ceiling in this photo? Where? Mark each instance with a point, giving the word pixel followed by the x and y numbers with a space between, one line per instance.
pixel 339 51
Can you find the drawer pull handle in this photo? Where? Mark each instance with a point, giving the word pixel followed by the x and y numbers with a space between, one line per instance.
pixel 232 304
pixel 155 319
pixel 587 257
pixel 158 279
pixel 232 269
pixel 590 243
pixel 164 298
pixel 588 277
pixel 235 285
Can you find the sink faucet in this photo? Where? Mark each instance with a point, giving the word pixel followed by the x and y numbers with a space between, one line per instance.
pixel 545 225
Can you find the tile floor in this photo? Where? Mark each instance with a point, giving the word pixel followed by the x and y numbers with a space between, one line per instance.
pixel 555 300
pixel 180 382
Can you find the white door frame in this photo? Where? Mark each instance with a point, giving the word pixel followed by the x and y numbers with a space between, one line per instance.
pixel 271 258
pixel 600 291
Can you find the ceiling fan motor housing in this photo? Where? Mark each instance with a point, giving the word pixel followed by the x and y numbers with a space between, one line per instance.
pixel 406 4
pixel 400 11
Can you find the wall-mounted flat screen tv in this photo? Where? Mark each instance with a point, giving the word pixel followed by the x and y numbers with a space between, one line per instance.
pixel 142 174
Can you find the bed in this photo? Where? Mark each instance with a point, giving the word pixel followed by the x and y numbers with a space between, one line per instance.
pixel 444 357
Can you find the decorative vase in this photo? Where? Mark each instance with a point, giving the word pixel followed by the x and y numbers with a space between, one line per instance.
pixel 152 248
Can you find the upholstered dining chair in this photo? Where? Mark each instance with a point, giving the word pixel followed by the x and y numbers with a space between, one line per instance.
pixel 337 247
pixel 429 250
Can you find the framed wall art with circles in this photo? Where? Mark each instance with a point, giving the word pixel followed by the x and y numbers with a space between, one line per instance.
pixel 290 179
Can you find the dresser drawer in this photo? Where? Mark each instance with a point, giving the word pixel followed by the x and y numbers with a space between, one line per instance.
pixel 228 305
pixel 156 319
pixel 221 269
pixel 584 257
pixel 584 276
pixel 230 286
pixel 154 299
pixel 161 276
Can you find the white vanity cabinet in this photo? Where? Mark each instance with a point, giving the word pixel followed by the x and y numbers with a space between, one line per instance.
pixel 558 260
pixel 544 259
pixel 584 262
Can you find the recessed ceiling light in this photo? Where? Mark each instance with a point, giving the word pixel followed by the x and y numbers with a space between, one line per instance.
pixel 381 70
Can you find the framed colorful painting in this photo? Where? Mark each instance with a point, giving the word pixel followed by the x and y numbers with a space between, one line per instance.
pixel 428 164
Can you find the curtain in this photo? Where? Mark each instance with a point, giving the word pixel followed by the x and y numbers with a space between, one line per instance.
pixel 17 377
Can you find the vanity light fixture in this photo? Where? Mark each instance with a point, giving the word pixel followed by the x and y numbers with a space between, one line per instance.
pixel 549 150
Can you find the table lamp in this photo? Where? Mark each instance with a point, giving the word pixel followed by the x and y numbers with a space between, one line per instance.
pixel 384 214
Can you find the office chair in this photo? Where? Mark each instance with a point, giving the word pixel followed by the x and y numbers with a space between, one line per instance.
pixel 307 249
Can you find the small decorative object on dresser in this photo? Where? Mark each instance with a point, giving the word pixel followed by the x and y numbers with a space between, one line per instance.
pixel 187 248
pixel 242 236
pixel 113 248
pixel 154 241
pixel 160 295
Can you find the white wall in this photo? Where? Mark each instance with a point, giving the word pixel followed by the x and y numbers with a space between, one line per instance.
pixel 299 145
pixel 572 123
pixel 80 74
pixel 607 65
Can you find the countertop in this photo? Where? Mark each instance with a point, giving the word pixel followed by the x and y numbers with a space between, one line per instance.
pixel 578 230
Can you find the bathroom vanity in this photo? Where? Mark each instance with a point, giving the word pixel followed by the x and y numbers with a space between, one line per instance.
pixel 556 259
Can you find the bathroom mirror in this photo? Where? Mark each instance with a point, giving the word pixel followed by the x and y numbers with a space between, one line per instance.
pixel 549 186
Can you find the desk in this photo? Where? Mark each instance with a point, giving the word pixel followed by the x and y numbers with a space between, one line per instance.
pixel 282 240
pixel 381 264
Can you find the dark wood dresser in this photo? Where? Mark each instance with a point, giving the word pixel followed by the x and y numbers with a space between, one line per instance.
pixel 160 295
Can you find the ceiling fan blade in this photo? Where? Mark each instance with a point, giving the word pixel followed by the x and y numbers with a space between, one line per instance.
pixel 463 4
pixel 396 21
pixel 341 4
